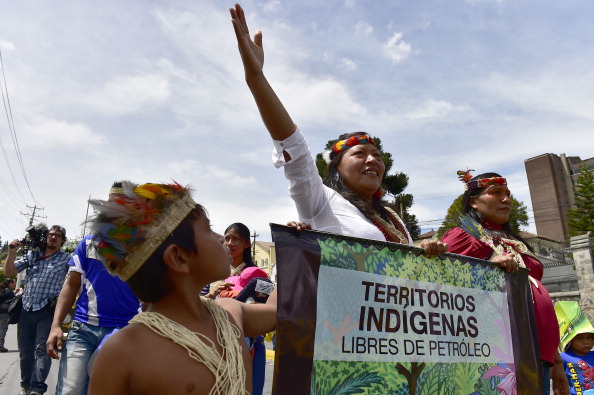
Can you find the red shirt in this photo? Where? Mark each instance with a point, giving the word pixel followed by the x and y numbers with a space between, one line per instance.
pixel 462 243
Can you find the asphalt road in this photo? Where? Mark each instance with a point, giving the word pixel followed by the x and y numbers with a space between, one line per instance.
pixel 10 375
pixel 10 371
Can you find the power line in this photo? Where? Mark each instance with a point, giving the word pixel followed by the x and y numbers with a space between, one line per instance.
pixel 10 120
pixel 8 163
pixel 9 194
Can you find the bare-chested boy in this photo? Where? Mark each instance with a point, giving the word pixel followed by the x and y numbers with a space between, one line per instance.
pixel 159 241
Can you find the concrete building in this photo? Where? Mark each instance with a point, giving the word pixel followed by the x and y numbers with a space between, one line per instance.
pixel 551 178
pixel 559 269
pixel 264 256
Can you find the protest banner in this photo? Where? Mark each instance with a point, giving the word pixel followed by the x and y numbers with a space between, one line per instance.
pixel 370 317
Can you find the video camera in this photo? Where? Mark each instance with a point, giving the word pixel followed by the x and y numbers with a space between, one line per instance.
pixel 36 237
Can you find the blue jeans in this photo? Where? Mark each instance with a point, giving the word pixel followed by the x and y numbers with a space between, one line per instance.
pixel 32 332
pixel 83 339
pixel 259 366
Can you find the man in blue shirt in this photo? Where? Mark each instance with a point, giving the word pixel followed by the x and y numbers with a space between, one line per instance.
pixel 105 304
pixel 46 271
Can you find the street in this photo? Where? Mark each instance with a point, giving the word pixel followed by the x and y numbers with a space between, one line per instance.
pixel 10 376
pixel 10 373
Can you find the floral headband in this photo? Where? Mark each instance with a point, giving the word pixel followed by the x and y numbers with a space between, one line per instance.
pixel 465 177
pixel 130 228
pixel 342 145
pixel 357 139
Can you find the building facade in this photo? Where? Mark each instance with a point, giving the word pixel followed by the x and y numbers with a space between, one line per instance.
pixel 551 178
pixel 264 256
pixel 559 269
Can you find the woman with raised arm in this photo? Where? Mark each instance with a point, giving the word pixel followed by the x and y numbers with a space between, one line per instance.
pixel 348 201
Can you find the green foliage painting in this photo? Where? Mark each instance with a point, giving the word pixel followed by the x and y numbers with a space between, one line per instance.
pixel 408 265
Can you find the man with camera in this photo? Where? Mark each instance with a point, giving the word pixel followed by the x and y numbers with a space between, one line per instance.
pixel 46 267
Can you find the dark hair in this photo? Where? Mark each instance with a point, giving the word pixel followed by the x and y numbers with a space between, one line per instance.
pixel 8 280
pixel 60 229
pixel 334 180
pixel 244 232
pixel 149 283
pixel 473 213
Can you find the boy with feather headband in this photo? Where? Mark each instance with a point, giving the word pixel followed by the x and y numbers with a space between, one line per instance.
pixel 159 241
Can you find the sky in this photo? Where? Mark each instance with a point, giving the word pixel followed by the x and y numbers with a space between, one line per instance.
pixel 153 91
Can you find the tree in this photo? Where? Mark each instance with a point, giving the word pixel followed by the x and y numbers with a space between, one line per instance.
pixel 518 216
pixel 393 185
pixel 581 219
pixel 402 204
pixel 4 251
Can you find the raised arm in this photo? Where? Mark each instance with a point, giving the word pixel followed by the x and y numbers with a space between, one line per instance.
pixel 10 269
pixel 276 118
pixel 254 318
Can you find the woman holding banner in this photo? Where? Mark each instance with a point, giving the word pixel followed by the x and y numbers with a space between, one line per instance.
pixel 348 201
pixel 483 232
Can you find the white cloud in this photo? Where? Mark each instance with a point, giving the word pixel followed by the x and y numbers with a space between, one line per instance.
pixel 350 3
pixel 397 49
pixel 478 2
pixel 348 64
pixel 320 101
pixel 272 6
pixel 206 174
pixel 363 29
pixel 431 109
pixel 129 94
pixel 46 133
pixel 167 77
pixel 7 45
pixel 566 91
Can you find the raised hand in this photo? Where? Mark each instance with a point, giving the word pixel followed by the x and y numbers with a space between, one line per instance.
pixel 252 52
pixel 274 115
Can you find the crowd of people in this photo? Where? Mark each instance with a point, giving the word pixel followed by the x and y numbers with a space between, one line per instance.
pixel 139 326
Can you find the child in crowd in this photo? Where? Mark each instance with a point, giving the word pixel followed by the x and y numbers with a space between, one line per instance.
pixel 577 339
pixel 159 241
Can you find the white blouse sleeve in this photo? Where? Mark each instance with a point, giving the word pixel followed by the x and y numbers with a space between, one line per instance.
pixel 306 187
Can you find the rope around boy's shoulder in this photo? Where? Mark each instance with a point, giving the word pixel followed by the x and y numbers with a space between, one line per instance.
pixel 229 379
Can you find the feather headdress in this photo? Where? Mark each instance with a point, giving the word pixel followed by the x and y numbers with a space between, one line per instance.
pixel 465 177
pixel 131 227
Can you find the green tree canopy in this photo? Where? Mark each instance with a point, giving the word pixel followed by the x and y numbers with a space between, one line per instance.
pixel 581 219
pixel 517 217
pixel 393 184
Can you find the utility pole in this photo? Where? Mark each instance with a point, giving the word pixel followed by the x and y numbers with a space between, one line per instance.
pixel 86 216
pixel 33 215
pixel 254 246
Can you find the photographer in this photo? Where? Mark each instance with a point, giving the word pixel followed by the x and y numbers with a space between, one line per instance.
pixel 46 269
